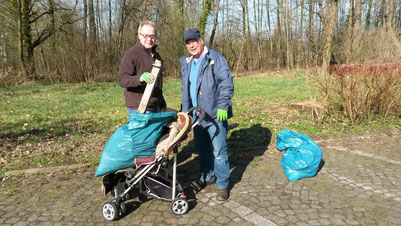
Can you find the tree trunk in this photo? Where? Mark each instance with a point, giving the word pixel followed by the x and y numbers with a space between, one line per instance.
pixel 382 14
pixel 216 14
pixel 309 32
pixel 52 25
pixel 269 32
pixel 111 52
pixel 181 51
pixel 121 29
pixel 207 6
pixel 356 31
pixel 92 24
pixel 278 34
pixel 244 36
pixel 248 37
pixel 367 25
pixel 301 37
pixel 181 15
pixel 99 24
pixel 110 24
pixel 287 36
pixel 349 33
pixel 256 17
pixel 85 22
pixel 27 41
pixel 330 25
pixel 390 18
pixel 21 39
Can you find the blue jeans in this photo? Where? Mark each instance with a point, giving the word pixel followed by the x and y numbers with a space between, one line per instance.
pixel 211 143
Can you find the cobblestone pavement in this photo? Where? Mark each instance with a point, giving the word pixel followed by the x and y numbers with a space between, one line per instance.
pixel 359 184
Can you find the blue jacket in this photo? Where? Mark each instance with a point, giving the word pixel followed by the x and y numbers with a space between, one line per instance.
pixel 214 87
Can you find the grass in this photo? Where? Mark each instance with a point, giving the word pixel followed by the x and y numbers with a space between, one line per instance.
pixel 61 109
pixel 70 123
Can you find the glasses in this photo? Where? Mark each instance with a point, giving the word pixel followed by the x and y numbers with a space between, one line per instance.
pixel 191 42
pixel 146 36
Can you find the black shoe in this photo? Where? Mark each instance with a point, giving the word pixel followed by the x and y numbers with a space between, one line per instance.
pixel 222 194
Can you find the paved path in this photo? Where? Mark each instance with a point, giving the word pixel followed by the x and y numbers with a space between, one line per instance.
pixel 359 184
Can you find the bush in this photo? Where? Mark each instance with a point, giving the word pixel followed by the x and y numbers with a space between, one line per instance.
pixel 361 91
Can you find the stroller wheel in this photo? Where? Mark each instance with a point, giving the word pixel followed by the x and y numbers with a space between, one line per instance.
pixel 110 211
pixel 179 206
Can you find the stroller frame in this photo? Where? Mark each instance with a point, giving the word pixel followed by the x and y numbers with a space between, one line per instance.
pixel 152 170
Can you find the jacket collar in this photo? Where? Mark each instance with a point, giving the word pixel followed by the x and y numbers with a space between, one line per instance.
pixel 205 51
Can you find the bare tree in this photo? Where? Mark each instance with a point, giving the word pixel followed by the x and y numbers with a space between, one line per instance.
pixel 207 7
pixel 21 38
pixel 287 36
pixel 216 15
pixel 85 21
pixel 244 34
pixel 310 31
pixel 269 29
pixel 52 38
pixel 278 35
pixel 92 24
pixel 356 37
pixel 329 31
pixel 367 24
pixel 391 14
pixel 300 35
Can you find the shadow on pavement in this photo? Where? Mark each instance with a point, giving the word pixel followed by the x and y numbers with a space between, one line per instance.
pixel 321 164
pixel 244 146
pixel 131 207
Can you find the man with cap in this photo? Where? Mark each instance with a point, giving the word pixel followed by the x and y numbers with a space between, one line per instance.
pixel 207 83
pixel 135 67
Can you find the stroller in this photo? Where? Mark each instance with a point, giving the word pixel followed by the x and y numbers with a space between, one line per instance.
pixel 153 176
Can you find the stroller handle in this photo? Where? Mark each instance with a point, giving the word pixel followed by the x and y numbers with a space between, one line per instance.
pixel 200 112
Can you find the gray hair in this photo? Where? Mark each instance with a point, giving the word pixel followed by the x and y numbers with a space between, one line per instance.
pixel 150 23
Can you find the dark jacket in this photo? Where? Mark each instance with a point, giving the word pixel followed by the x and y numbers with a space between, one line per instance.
pixel 214 86
pixel 135 62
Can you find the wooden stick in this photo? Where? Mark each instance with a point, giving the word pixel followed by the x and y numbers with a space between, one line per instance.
pixel 149 87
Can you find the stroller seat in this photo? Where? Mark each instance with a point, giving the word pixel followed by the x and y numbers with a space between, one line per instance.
pixel 177 132
pixel 144 160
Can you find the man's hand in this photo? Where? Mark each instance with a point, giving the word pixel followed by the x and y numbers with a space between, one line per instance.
pixel 147 77
pixel 221 114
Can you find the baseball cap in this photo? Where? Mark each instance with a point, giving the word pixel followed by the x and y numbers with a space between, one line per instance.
pixel 192 33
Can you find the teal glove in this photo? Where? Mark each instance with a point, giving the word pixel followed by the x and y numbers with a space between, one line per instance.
pixel 221 114
pixel 147 77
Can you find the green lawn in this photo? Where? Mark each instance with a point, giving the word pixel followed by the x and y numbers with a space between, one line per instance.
pixel 67 114
pixel 98 108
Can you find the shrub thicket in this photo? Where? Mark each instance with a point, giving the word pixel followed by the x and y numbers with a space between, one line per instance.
pixel 361 91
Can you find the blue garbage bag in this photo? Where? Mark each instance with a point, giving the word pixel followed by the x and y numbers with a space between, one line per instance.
pixel 137 138
pixel 302 156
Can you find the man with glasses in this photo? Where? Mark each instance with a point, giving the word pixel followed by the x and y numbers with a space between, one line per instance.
pixel 135 67
pixel 207 83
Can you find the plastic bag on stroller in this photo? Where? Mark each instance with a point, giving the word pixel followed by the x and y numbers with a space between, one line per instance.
pixel 137 138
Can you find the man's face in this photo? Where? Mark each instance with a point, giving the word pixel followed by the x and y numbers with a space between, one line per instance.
pixel 195 47
pixel 147 36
